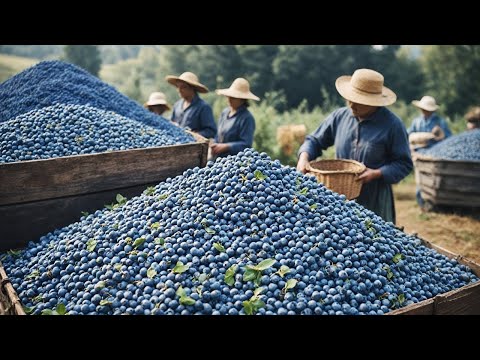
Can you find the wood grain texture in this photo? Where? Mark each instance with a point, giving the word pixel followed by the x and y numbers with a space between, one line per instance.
pixel 448 167
pixel 22 223
pixel 82 174
pixel 10 302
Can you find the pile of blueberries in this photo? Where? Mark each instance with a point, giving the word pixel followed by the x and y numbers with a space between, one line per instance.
pixel 244 235
pixel 64 130
pixel 464 146
pixel 56 82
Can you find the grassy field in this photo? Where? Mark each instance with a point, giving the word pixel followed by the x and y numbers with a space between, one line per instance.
pixel 11 65
pixel 457 233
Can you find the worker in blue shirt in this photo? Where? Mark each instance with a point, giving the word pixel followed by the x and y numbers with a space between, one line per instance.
pixel 236 124
pixel 191 112
pixel 365 131
pixel 428 122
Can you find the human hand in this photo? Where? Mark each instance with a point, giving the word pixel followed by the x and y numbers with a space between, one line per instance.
pixel 219 148
pixel 369 175
pixel 438 132
pixel 303 163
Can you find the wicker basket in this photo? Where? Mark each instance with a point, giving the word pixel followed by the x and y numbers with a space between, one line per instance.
pixel 339 175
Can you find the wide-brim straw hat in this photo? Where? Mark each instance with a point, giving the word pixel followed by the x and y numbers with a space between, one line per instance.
pixel 239 89
pixel 190 78
pixel 426 103
pixel 365 87
pixel 157 98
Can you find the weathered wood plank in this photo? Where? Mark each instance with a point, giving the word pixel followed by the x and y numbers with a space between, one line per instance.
pixel 422 308
pixel 10 302
pixel 463 301
pixel 73 175
pixel 448 167
pixel 21 223
pixel 450 198
pixel 457 183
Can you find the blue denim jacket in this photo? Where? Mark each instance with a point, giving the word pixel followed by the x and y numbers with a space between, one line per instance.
pixel 198 117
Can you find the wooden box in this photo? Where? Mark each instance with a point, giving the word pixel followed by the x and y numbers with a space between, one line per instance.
pixel 448 182
pixel 39 196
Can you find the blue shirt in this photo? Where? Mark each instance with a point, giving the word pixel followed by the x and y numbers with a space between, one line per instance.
pixel 236 131
pixel 198 116
pixel 380 142
pixel 419 124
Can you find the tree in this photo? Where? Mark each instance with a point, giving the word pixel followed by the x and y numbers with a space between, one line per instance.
pixel 85 56
pixel 452 73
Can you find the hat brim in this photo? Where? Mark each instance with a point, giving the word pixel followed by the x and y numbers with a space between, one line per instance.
pixel 423 106
pixel 237 94
pixel 387 97
pixel 153 103
pixel 200 87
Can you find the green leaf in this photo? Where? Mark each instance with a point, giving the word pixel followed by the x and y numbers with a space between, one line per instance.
pixel 48 312
pixel 202 277
pixel 128 240
pixel 265 264
pixel 397 258
pixel 61 309
pixel 155 225
pixel 149 191
pixel 210 230
pixel 91 244
pixel 138 242
pixel 121 199
pixel 151 273
pixel 304 191
pixel 85 213
pixel 258 291
pixel 219 247
pixel 28 310
pixel 257 304
pixel 249 274
pixel 115 226
pixel 389 274
pixel 258 278
pixel 33 275
pixel 105 302
pixel 162 197
pixel 38 298
pixel 180 292
pixel 159 241
pixel 230 275
pixel 186 300
pixel 259 175
pixel 284 270
pixel 401 299
pixel 313 206
pixel 180 268
pixel 117 267
pixel 100 285
pixel 298 181
pixel 291 283
pixel 14 253
pixel 248 307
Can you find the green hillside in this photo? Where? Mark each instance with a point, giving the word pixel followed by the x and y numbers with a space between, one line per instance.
pixel 11 65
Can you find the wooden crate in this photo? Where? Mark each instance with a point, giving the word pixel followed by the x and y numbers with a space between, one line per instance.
pixel 462 301
pixel 39 196
pixel 448 182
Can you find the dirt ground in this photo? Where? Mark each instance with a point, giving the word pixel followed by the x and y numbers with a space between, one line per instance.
pixel 458 233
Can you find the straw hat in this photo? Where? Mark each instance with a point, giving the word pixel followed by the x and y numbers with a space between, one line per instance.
pixel 190 78
pixel 365 87
pixel 157 98
pixel 426 103
pixel 239 89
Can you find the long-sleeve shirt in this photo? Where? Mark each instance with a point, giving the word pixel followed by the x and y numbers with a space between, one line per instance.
pixel 236 130
pixel 198 117
pixel 420 124
pixel 379 141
